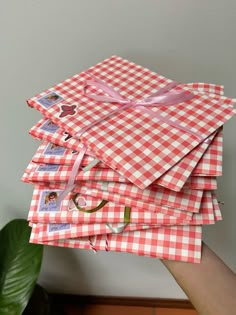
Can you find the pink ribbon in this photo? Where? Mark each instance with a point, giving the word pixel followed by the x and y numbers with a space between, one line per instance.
pixel 164 97
pixel 71 182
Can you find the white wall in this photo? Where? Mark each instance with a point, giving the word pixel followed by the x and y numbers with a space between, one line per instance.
pixel 44 42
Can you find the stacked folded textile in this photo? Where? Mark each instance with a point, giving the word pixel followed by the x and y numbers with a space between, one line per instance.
pixel 128 162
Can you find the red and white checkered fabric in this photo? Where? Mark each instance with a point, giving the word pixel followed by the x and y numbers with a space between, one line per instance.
pixel 204 183
pixel 93 195
pixel 50 153
pixel 174 178
pixel 149 199
pixel 181 243
pixel 45 129
pixel 48 231
pixel 217 212
pixel 139 147
pixel 54 231
pixel 210 163
pixel 188 200
pixel 119 199
pixel 136 151
pixel 205 88
pixel 43 212
pixel 45 173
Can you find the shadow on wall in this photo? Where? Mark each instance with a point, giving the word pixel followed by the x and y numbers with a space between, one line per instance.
pixel 69 272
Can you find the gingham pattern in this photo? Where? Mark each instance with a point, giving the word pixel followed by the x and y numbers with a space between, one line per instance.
pixel 119 199
pixel 97 223
pixel 25 177
pixel 111 212
pixel 123 200
pixel 165 201
pixel 217 212
pixel 176 177
pixel 58 137
pixel 202 161
pixel 174 243
pixel 63 172
pixel 83 242
pixel 205 88
pixel 208 161
pixel 207 214
pixel 189 200
pixel 131 142
pixel 50 153
pixel 204 183
pixel 181 243
pixel 45 129
pixel 89 230
pixel 173 179
pixel 48 232
pixel 211 162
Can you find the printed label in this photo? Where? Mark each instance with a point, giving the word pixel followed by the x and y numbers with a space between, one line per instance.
pixel 49 127
pixel 58 227
pixel 53 149
pixel 48 168
pixel 50 99
pixel 48 200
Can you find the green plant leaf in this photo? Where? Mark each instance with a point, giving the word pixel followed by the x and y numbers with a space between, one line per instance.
pixel 20 264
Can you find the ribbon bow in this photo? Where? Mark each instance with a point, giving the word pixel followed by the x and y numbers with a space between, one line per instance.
pixel 166 96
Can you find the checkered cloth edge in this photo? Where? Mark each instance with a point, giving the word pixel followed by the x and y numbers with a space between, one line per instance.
pixel 181 243
pixel 106 139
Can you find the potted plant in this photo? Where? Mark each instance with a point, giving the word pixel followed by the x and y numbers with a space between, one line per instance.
pixel 20 264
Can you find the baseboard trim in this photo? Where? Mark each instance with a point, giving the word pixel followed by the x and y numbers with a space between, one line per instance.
pixel 125 301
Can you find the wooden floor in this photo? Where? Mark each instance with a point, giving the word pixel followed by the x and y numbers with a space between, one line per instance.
pixel 98 305
pixel 124 310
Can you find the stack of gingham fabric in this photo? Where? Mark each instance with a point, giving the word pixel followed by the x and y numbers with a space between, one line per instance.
pixel 128 162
